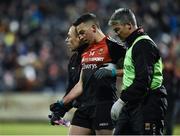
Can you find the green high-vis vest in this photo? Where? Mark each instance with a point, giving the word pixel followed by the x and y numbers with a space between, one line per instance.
pixel 129 70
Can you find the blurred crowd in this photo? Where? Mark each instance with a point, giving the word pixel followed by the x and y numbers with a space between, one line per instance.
pixel 33 53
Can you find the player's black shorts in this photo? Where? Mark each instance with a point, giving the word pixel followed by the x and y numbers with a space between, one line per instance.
pixel 94 117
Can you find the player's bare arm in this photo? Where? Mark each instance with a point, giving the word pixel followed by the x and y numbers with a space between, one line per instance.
pixel 75 92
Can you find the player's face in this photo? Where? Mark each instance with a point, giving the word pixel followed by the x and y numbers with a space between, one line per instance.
pixel 121 30
pixel 85 33
pixel 72 39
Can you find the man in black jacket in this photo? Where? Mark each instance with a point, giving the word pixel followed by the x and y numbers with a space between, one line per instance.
pixel 74 69
pixel 142 104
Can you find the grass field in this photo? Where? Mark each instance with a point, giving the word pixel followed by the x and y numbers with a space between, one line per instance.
pixel 41 129
pixel 31 129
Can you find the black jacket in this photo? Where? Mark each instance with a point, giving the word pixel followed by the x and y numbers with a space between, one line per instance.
pixel 74 69
pixel 144 54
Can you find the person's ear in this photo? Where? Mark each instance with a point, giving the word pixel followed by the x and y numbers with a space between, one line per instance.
pixel 94 28
pixel 128 26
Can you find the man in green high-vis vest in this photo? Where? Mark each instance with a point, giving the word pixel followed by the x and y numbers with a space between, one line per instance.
pixel 142 103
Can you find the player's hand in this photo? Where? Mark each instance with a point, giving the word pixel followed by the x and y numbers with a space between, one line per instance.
pixel 54 118
pixel 58 108
pixel 116 109
pixel 108 70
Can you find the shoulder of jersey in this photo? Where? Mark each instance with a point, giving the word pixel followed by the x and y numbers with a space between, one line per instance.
pixel 113 41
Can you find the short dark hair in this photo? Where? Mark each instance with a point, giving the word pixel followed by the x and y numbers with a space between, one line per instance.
pixel 123 16
pixel 86 18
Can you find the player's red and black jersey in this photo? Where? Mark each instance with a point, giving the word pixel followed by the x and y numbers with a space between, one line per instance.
pixel 94 56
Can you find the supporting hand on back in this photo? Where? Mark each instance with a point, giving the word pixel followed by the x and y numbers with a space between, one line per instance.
pixel 107 70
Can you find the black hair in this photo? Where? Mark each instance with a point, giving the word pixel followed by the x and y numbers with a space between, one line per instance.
pixel 86 18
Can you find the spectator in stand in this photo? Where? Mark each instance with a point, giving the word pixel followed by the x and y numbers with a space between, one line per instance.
pixel 33 32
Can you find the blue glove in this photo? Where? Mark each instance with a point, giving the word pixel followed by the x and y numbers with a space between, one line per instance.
pixel 108 70
pixel 58 111
pixel 59 108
